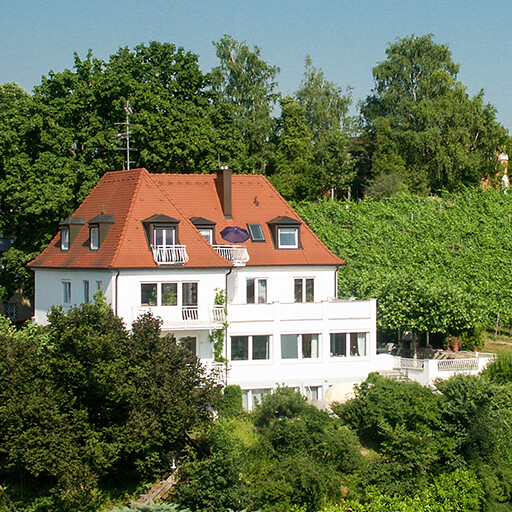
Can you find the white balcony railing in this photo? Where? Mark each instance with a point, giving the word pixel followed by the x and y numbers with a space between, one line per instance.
pixel 218 314
pixel 170 254
pixel 236 254
pixel 189 313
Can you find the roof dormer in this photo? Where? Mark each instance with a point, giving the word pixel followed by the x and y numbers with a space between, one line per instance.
pixel 99 228
pixel 162 236
pixel 205 227
pixel 69 230
pixel 285 232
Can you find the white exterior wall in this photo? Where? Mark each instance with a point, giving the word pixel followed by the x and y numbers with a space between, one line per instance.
pixel 49 288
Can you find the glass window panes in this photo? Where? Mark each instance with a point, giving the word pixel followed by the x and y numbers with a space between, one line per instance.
pixel 64 239
pixel 148 294
pixel 66 292
pixel 189 343
pixel 289 347
pixel 312 392
pixel 358 344
pixel 239 348
pixel 169 294
pixel 260 347
pixel 207 233
pixel 310 290
pixel 338 344
pixel 298 290
pixel 250 291
pixel 94 233
pixel 288 238
pixel 86 291
pixel 189 294
pixel 309 346
pixel 256 232
pixel 259 287
pixel 258 394
pixel 304 290
pixel 164 236
pixel 262 291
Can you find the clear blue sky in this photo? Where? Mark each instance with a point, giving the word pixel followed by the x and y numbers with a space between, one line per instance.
pixel 345 38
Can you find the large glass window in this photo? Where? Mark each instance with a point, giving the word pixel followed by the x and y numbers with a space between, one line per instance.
pixel 299 346
pixel 354 343
pixel 245 348
pixel 256 291
pixel 189 294
pixel 288 238
pixel 239 348
pixel 164 236
pixel 304 290
pixel 148 294
pixel 169 292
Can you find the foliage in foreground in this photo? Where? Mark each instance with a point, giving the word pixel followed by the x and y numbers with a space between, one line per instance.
pixel 84 401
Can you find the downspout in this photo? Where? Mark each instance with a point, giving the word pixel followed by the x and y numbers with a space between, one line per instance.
pixel 226 331
pixel 115 294
pixel 336 282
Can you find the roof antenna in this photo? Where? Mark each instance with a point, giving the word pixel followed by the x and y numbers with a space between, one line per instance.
pixel 126 135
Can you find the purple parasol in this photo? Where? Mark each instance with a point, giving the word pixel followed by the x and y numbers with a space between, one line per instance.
pixel 234 234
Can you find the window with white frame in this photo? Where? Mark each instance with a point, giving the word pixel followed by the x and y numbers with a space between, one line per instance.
pixel 287 237
pixel 166 294
pixel 148 294
pixel 299 346
pixel 164 236
pixel 94 235
pixel 250 348
pixel 86 291
pixel 304 290
pixel 64 239
pixel 207 233
pixel 353 344
pixel 256 291
pixel 66 292
pixel 169 294
pixel 312 392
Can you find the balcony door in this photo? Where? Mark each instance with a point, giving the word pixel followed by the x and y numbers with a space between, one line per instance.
pixel 164 236
pixel 189 301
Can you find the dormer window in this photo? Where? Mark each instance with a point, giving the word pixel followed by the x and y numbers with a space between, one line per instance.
pixel 94 235
pixel 64 239
pixel 69 230
pixel 288 238
pixel 285 232
pixel 163 239
pixel 99 228
pixel 164 236
pixel 205 227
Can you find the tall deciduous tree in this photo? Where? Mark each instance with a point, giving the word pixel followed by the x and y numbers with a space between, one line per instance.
pixel 423 126
pixel 330 124
pixel 247 84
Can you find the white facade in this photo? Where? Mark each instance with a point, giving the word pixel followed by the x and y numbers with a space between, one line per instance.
pixel 272 340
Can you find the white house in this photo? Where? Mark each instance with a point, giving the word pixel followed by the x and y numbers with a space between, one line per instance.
pixel 161 242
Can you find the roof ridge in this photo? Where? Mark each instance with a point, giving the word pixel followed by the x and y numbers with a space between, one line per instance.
pixel 141 173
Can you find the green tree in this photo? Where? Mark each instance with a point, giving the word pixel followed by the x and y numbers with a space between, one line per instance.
pixel 246 86
pixel 422 124
pixel 331 126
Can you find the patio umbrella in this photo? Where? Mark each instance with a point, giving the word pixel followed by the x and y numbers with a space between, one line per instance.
pixel 234 234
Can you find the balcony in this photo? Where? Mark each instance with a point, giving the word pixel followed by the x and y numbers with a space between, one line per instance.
pixel 236 254
pixel 170 254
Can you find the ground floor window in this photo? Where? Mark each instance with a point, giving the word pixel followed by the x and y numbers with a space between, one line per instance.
pixel 189 343
pixel 353 344
pixel 312 392
pixel 253 397
pixel 254 348
pixel 299 346
pixel 66 292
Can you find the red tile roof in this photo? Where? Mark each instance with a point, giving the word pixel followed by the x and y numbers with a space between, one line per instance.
pixel 134 196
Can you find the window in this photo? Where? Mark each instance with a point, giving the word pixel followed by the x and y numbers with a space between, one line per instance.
pixel 66 292
pixel 288 238
pixel 169 294
pixel 312 392
pixel 86 291
pixel 304 290
pixel 256 291
pixel 64 239
pixel 148 294
pixel 189 301
pixel 258 395
pixel 10 310
pixel 348 343
pixel 164 236
pixel 299 346
pixel 207 233
pixel 254 348
pixel 189 343
pixel 256 232
pixel 94 233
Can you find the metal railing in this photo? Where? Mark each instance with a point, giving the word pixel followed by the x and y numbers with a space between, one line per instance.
pixel 236 254
pixel 218 314
pixel 407 363
pixel 170 254
pixel 457 365
pixel 189 313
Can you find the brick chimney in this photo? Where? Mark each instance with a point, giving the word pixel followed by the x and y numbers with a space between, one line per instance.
pixel 223 184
